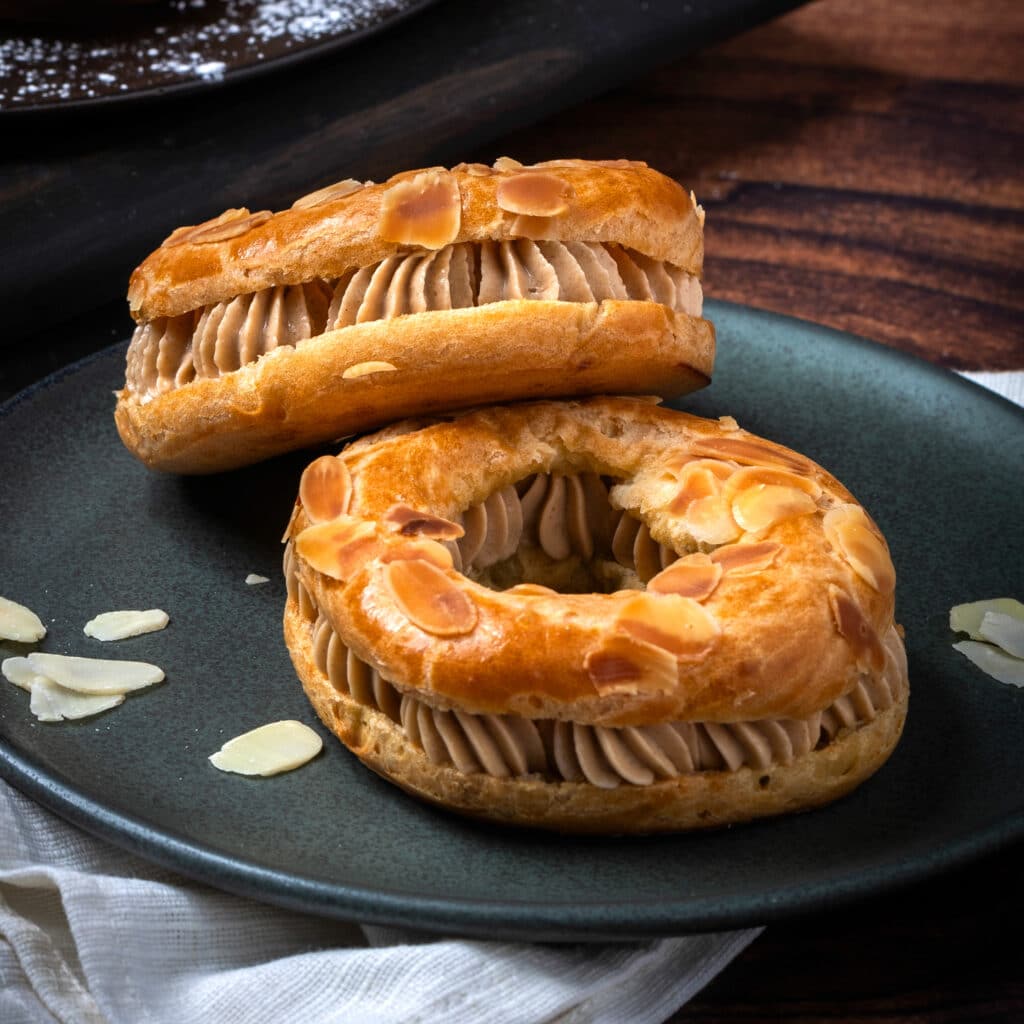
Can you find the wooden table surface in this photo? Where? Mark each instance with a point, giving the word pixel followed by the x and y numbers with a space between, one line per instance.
pixel 860 164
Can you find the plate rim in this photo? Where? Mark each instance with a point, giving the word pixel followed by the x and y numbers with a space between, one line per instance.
pixel 523 919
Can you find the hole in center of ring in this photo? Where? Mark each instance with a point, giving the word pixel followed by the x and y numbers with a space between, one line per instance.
pixel 559 531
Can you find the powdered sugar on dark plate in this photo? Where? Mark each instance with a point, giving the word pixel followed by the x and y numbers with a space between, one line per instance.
pixel 165 46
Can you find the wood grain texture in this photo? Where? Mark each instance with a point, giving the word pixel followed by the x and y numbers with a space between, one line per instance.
pixel 860 166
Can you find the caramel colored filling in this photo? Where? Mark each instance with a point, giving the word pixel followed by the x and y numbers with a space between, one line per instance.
pixel 170 352
pixel 562 531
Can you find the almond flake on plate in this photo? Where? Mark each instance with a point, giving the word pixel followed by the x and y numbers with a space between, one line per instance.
pixel 19 623
pixel 967 618
pixel 123 624
pixel 52 702
pixel 269 749
pixel 994 662
pixel 20 672
pixel 95 675
pixel 253 578
pixel 1005 631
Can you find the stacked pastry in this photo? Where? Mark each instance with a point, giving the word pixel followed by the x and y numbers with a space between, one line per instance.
pixel 567 610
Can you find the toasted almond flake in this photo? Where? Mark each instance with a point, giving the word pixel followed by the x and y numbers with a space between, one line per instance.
pixel 854 627
pixel 424 548
pixel 221 230
pixel 763 506
pixel 367 369
pixel 338 549
pixel 710 520
pixel 409 521
pixel 338 190
pixel 325 489
pixel 19 623
pixel 1005 631
pixel 695 483
pixel 993 661
pixel 693 576
pixel 123 624
pixel 95 675
pixel 625 664
pixel 851 533
pixel 967 618
pixel 534 194
pixel 254 579
pixel 531 590
pixel 52 702
pixel 429 598
pixel 674 623
pixel 473 170
pixel 507 163
pixel 751 476
pixel 728 423
pixel 425 210
pixel 746 559
pixel 19 672
pixel 752 451
pixel 270 749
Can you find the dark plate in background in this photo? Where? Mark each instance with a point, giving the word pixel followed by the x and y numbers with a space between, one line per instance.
pixel 177 46
pixel 87 529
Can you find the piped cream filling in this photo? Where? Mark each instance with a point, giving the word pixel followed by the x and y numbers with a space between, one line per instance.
pixel 170 352
pixel 562 517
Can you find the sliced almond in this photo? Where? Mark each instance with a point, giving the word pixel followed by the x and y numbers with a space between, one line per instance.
pixel 1005 631
pixel 473 170
pixel 269 750
pixel 674 623
pixel 695 483
pixel 851 533
pixel 230 224
pixel 338 549
pixel 746 559
pixel 367 369
pixel 52 702
pixel 408 522
pixel 624 664
pixel 338 190
pixel 19 623
pixel 19 672
pixel 507 163
pixel 325 489
pixel 763 506
pixel 855 628
pixel 411 548
pixel 752 451
pixel 95 675
pixel 710 521
pixel 254 579
pixel 534 194
pixel 123 624
pixel 531 590
pixel 425 210
pixel 694 576
pixel 967 618
pixel 429 598
pixel 993 661
pixel 751 476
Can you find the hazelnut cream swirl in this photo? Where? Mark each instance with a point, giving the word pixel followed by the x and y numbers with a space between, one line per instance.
pixel 169 352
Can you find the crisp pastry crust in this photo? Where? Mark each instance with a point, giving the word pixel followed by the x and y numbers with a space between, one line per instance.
pixel 438 289
pixel 751 603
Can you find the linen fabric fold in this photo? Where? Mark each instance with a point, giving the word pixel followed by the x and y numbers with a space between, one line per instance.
pixel 90 934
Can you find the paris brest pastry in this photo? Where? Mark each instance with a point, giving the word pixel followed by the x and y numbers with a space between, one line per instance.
pixel 438 289
pixel 595 616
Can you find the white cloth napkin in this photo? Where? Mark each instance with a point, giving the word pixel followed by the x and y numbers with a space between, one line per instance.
pixel 92 935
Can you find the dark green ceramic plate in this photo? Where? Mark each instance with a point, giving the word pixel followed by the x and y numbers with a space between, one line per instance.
pixel 938 461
